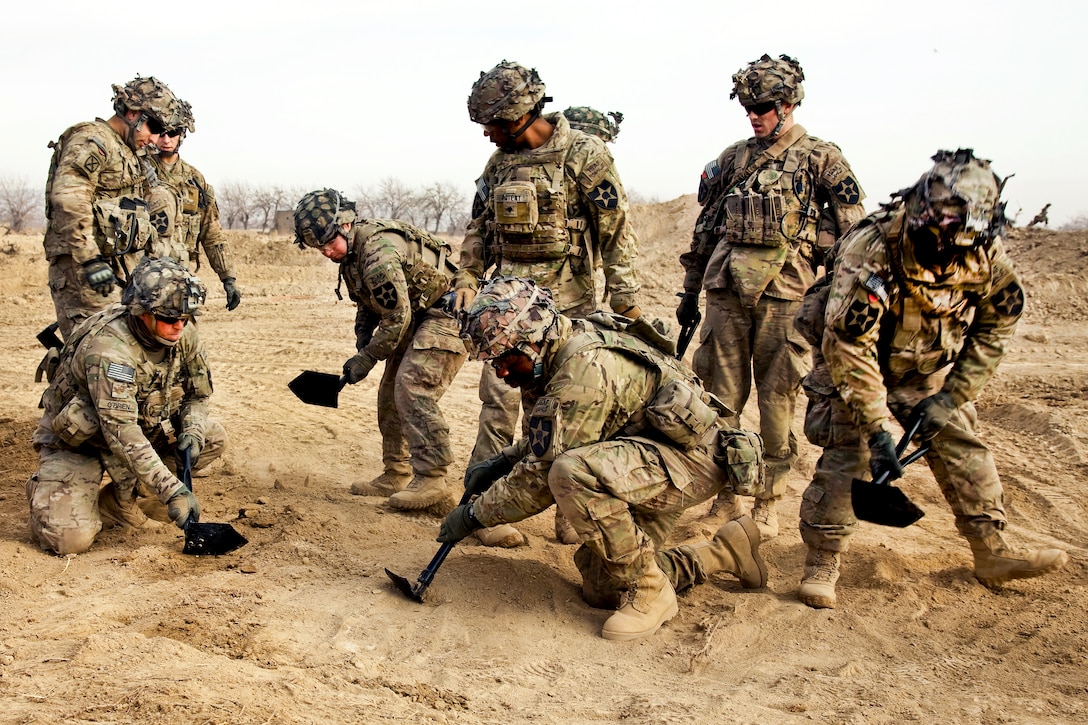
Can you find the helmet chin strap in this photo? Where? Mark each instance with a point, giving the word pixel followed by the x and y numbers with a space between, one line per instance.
pixel 781 118
pixel 516 135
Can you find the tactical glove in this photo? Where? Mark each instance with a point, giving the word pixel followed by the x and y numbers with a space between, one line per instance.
pixel 358 367
pixel 193 444
pixel 688 309
pixel 234 297
pixel 183 506
pixel 459 523
pixel 480 476
pixel 99 276
pixel 932 414
pixel 883 458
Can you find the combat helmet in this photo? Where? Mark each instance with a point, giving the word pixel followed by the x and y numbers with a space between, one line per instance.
pixel 151 97
pixel 769 79
pixel 510 313
pixel 318 217
pixel 165 287
pixel 506 92
pixel 592 121
pixel 182 118
pixel 958 200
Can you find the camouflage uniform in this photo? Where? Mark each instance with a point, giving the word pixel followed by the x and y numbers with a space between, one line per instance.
pixel 583 212
pixel 195 218
pixel 116 404
pixel 770 209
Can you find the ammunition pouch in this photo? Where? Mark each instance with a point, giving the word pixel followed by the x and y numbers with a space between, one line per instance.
pixel 76 422
pixel 739 453
pixel 121 225
pixel 680 412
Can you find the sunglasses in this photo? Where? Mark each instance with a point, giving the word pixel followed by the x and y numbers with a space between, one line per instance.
pixel 171 320
pixel 175 132
pixel 760 108
pixel 154 125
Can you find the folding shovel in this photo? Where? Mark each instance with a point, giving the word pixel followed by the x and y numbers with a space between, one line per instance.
pixel 314 388
pixel 416 591
pixel 880 503
pixel 206 539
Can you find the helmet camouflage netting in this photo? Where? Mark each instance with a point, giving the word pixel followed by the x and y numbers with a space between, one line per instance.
pixel 164 286
pixel 147 95
pixel 318 217
pixel 506 92
pixel 769 79
pixel 510 313
pixel 592 121
pixel 962 185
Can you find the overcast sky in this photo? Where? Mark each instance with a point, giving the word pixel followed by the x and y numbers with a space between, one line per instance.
pixel 345 94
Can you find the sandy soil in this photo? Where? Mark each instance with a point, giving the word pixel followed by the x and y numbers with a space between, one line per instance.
pixel 302 625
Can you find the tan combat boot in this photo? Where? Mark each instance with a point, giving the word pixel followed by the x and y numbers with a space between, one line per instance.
pixel 996 562
pixel 734 550
pixel 564 531
pixel 817 588
pixel 728 506
pixel 125 514
pixel 386 484
pixel 503 536
pixel 422 492
pixel 646 606
pixel 766 517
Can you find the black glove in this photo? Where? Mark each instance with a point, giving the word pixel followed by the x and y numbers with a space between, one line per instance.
pixel 234 297
pixel 883 458
pixel 932 414
pixel 193 444
pixel 459 523
pixel 358 367
pixel 183 506
pixel 688 309
pixel 99 276
pixel 480 476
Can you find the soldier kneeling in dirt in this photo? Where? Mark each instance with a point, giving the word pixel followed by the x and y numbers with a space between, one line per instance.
pixel 132 386
pixel 623 439
pixel 914 317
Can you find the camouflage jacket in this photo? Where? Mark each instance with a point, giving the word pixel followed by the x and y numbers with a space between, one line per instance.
pixel 392 271
pixel 589 393
pixel 582 217
pixel 765 232
pixel 110 394
pixel 90 164
pixel 888 317
pixel 191 221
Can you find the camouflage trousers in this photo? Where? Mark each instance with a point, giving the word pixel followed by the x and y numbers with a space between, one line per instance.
pixel 620 497
pixel 73 300
pixel 63 494
pixel 416 376
pixel 738 344
pixel 961 463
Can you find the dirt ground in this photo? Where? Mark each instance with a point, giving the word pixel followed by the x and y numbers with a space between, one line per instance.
pixel 302 625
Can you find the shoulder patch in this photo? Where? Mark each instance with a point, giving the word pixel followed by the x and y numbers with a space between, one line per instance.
pixel 847 191
pixel 120 373
pixel 482 189
pixel 877 286
pixel 860 318
pixel 710 172
pixel 594 172
pixel 1009 301
pixel 604 195
pixel 542 427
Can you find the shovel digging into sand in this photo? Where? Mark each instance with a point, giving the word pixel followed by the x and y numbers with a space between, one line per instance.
pixel 315 388
pixel 416 591
pixel 881 503
pixel 207 539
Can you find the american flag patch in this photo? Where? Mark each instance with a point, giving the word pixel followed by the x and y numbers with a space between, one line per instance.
pixel 120 373
pixel 711 170
pixel 877 286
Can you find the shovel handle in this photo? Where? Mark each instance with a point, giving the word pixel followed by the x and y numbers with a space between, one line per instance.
pixel 882 480
pixel 427 575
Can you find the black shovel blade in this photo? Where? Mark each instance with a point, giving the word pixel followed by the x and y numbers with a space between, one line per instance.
pixel 315 388
pixel 412 591
pixel 211 539
pixel 883 504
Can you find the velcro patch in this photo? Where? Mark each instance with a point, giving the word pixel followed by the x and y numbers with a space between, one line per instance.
pixel 386 295
pixel 877 286
pixel 542 427
pixel 482 189
pixel 120 373
pixel 605 195
pixel 860 318
pixel 847 191
pixel 1009 302
pixel 593 172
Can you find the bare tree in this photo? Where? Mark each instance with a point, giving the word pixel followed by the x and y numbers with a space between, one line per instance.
pixel 266 200
pixel 438 201
pixel 20 204
pixel 391 199
pixel 1079 223
pixel 235 204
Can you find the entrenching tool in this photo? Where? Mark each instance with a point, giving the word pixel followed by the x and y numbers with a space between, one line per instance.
pixel 880 503
pixel 415 591
pixel 314 388
pixel 687 332
pixel 206 539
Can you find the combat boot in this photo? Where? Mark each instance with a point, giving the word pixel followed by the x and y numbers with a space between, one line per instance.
pixel 727 505
pixel 997 562
pixel 817 588
pixel 646 606
pixel 422 492
pixel 766 518
pixel 734 550
pixel 503 536
pixel 386 484
pixel 564 531
pixel 125 514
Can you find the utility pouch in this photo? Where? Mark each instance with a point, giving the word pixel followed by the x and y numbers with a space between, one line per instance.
pixel 680 413
pixel 76 422
pixel 739 453
pixel 121 225
pixel 516 210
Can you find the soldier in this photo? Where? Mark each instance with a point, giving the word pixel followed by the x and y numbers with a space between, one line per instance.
pixel 591 121
pixel 548 205
pixel 189 216
pixel 1043 217
pixel 398 277
pixel 132 387
pixel 920 304
pixel 623 439
pixel 95 200
pixel 772 205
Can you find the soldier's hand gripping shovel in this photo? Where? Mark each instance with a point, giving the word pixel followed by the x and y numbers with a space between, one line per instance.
pixel 206 539
pixel 880 503
pixel 314 388
pixel 415 591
